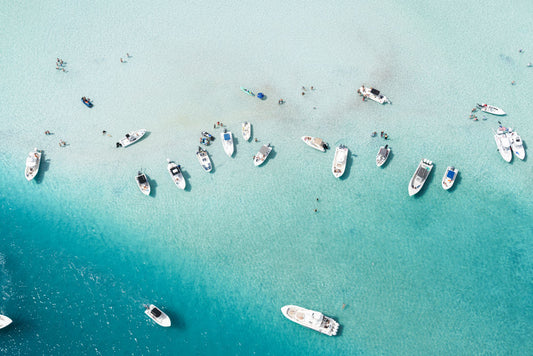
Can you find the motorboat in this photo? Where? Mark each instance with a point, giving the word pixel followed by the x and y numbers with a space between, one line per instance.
pixel 143 183
pixel 227 142
pixel 131 138
pixel 311 319
pixel 157 315
pixel 246 130
pixel 33 161
pixel 4 321
pixel 420 176
pixel 503 143
pixel 176 174
pixel 383 155
pixel 315 142
pixel 87 102
pixel 516 144
pixel 339 161
pixel 263 153
pixel 373 94
pixel 449 177
pixel 204 159
pixel 491 109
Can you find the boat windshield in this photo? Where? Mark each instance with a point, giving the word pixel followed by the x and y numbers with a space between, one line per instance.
pixel 374 91
pixel 156 312
pixel 422 172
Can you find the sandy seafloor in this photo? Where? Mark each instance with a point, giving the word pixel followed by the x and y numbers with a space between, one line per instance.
pixel 81 249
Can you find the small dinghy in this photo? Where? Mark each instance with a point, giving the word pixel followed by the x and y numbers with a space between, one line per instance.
pixel 449 177
pixel 4 321
pixel 373 94
pixel 246 130
pixel 383 155
pixel 142 183
pixel 87 102
pixel 157 315
pixel 208 135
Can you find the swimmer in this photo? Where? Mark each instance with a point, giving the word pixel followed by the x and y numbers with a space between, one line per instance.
pixel 104 132
pixel 121 60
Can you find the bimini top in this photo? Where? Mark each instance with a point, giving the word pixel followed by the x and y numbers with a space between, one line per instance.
pixel 141 178
pixel 264 150
pixel 374 91
pixel 227 137
pixel 175 170
pixel 422 172
pixel 450 174
pixel 318 141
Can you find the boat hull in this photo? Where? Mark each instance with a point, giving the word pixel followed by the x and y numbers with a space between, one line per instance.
pixel 420 176
pixel 504 147
pixel 246 131
pixel 162 319
pixel 134 137
pixel 310 141
pixel 382 158
pixel 4 321
pixel 33 162
pixel 143 184
pixel 369 93
pixel 491 109
pixel 311 319
pixel 449 179
pixel 178 179
pixel 204 160
pixel 227 143
pixel 339 161
pixel 261 157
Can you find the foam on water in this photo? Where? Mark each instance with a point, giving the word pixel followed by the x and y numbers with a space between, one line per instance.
pixel 81 249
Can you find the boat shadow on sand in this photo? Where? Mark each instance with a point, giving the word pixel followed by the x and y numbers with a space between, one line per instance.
pixel 44 166
pixel 187 177
pixel 177 322
pixel 153 187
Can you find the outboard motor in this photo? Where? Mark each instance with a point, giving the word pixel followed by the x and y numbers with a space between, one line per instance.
pixel 118 145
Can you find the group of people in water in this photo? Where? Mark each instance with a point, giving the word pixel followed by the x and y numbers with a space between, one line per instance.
pixel 383 134
pixel 60 65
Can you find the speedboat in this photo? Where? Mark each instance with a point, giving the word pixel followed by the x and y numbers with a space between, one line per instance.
pixel 246 131
pixel 175 172
pixel 157 315
pixel 339 161
pixel 311 319
pixel 491 109
pixel 503 144
pixel 208 135
pixel 204 159
pixel 131 138
pixel 383 155
pixel 263 153
pixel 87 102
pixel 420 176
pixel 4 321
pixel 33 161
pixel 373 94
pixel 143 183
pixel 315 142
pixel 516 144
pixel 449 177
pixel 227 142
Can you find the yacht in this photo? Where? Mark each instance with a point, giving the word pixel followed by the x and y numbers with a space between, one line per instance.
pixel 227 142
pixel 131 138
pixel 246 131
pixel 175 172
pixel 204 159
pixel 420 176
pixel 503 144
pixel 490 109
pixel 142 183
pixel 516 144
pixel 33 161
pixel 339 161
pixel 157 315
pixel 4 321
pixel 315 142
pixel 449 177
pixel 383 155
pixel 263 153
pixel 311 319
pixel 373 94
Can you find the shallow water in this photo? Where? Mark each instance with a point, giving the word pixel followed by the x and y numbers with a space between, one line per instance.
pixel 443 272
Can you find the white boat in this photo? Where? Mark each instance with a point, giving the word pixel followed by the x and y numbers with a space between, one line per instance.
pixel 449 177
pixel 246 131
pixel 157 315
pixel 263 153
pixel 503 144
pixel 175 173
pixel 131 138
pixel 33 161
pixel 227 142
pixel 311 319
pixel 315 142
pixel 339 161
pixel 383 155
pixel 516 144
pixel 142 183
pixel 373 94
pixel 491 109
pixel 420 176
pixel 204 159
pixel 4 321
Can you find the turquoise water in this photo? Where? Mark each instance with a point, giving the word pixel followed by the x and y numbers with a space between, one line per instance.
pixel 82 249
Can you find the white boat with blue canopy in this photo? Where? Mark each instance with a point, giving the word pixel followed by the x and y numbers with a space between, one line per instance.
pixel 339 161
pixel 449 177
pixel 227 142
